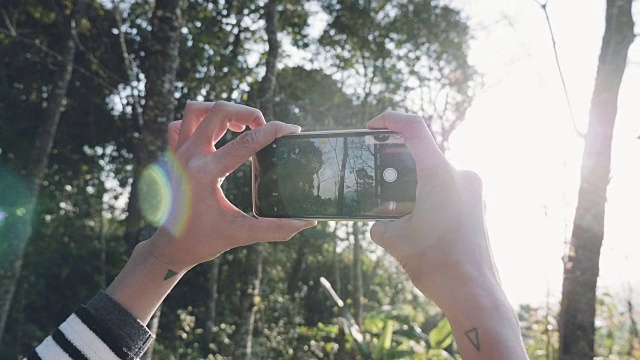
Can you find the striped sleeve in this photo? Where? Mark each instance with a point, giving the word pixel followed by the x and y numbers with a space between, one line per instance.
pixel 100 330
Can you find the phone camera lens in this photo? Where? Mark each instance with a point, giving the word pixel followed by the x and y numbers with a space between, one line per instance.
pixel 381 138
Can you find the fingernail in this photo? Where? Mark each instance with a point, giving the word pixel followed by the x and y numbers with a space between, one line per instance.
pixel 310 224
pixel 295 127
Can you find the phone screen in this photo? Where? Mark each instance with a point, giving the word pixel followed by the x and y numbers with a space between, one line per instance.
pixel 352 175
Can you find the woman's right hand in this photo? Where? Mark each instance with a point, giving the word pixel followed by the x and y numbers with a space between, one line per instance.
pixel 442 244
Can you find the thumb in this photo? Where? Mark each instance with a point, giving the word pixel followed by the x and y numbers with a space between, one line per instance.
pixel 173 132
pixel 382 232
pixel 471 185
pixel 272 229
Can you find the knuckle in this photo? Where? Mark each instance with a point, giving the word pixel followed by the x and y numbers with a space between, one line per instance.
pixel 377 233
pixel 471 180
pixel 416 119
pixel 281 234
pixel 220 106
pixel 388 113
pixel 189 105
pixel 257 113
pixel 247 140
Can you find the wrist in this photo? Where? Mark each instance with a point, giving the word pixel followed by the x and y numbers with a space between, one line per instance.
pixel 484 323
pixel 441 277
pixel 161 247
pixel 144 282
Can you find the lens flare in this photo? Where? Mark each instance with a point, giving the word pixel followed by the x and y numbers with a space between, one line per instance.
pixel 154 194
pixel 160 203
pixel 15 200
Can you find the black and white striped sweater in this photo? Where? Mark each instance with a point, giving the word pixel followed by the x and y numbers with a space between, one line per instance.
pixel 101 329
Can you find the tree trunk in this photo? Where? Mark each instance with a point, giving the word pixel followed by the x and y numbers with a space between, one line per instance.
pixel 299 263
pixel 249 300
pixel 357 272
pixel 343 175
pixel 18 226
pixel 337 281
pixel 581 265
pixel 214 276
pixel 634 333
pixel 160 66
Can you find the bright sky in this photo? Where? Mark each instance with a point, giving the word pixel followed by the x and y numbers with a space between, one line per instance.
pixel 518 135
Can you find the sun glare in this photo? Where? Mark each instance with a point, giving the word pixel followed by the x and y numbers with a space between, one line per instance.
pixel 520 137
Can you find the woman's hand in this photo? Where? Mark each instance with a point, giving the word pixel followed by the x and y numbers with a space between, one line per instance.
pixel 202 223
pixel 442 244
pixel 444 247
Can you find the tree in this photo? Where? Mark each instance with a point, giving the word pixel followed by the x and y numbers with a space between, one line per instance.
pixel 250 299
pixel 406 54
pixel 160 67
pixel 18 224
pixel 581 265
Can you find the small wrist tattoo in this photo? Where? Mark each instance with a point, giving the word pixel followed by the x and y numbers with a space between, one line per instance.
pixel 474 337
pixel 170 274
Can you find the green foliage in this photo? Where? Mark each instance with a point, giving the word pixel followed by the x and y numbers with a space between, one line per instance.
pixel 372 55
pixel 539 331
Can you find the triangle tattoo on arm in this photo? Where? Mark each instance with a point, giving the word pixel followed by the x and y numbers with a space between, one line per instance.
pixel 170 274
pixel 474 337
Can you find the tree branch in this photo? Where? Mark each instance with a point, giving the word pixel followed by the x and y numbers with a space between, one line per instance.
pixel 10 26
pixel 543 6
pixel 128 64
pixel 96 62
pixel 58 57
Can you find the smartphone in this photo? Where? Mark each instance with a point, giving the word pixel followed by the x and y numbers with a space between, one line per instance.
pixel 335 175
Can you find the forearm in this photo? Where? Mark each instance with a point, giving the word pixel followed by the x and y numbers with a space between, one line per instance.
pixel 484 324
pixel 144 282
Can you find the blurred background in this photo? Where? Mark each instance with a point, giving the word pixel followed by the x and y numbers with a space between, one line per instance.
pixel 87 88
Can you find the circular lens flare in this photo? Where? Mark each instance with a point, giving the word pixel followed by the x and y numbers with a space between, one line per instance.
pixel 154 194
pixel 161 203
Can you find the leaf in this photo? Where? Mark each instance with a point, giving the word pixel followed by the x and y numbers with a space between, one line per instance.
pixel 375 323
pixel 441 336
pixel 384 342
pixel 353 330
pixel 439 354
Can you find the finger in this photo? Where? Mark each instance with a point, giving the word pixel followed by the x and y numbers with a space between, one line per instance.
pixel 416 135
pixel 173 132
pixel 271 230
pixel 194 112
pixel 239 150
pixel 471 185
pixel 217 120
pixel 380 231
pixel 236 127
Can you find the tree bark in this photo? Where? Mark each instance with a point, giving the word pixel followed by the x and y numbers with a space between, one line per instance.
pixel 298 265
pixel 249 300
pixel 18 226
pixel 343 174
pixel 337 281
pixel 214 276
pixel 357 272
pixel 160 67
pixel 581 265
